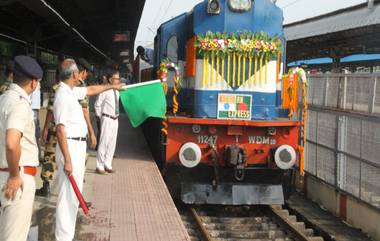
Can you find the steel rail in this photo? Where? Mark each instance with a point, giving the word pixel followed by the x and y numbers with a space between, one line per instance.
pixel 289 224
pixel 203 230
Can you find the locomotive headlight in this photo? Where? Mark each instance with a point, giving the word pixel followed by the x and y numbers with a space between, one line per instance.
pixel 240 5
pixel 190 155
pixel 213 7
pixel 285 157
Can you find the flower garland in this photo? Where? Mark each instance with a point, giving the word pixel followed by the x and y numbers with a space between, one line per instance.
pixel 245 43
pixel 164 69
pixel 162 74
pixel 295 75
pixel 242 48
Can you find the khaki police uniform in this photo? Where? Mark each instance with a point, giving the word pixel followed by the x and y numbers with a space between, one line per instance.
pixel 5 86
pixel 84 103
pixel 107 109
pixel 68 112
pixel 48 163
pixel 16 113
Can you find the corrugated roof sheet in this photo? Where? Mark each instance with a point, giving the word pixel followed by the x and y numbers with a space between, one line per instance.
pixel 350 18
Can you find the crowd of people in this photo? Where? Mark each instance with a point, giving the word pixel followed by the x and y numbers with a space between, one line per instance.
pixel 65 134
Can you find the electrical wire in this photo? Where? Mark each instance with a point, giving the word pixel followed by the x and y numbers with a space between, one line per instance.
pixel 73 29
pixel 166 11
pixel 158 13
pixel 290 4
pixel 13 38
pixel 161 18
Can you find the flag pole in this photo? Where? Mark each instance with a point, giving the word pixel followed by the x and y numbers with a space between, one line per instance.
pixel 141 84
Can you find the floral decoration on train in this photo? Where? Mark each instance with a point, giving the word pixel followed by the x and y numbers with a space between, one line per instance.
pixel 164 69
pixel 245 43
pixel 166 66
pixel 240 51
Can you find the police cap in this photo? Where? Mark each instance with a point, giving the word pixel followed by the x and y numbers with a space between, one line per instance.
pixel 82 63
pixel 27 66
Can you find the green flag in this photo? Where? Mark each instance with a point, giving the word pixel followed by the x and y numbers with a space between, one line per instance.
pixel 144 100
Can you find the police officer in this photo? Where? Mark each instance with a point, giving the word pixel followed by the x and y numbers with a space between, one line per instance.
pixel 49 133
pixel 84 68
pixel 49 137
pixel 71 150
pixel 18 151
pixel 8 77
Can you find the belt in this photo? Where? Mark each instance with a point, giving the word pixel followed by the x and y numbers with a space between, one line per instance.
pixel 27 170
pixel 77 138
pixel 110 116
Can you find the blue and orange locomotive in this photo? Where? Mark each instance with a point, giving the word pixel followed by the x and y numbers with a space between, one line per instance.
pixel 228 138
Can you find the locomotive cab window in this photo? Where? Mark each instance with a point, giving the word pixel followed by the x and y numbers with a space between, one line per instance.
pixel 172 49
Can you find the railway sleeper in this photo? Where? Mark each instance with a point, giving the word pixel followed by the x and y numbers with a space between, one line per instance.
pixel 241 227
pixel 235 220
pixel 273 234
pixel 257 239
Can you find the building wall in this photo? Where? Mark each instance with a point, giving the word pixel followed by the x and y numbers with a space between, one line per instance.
pixel 364 217
pixel 323 194
pixel 359 214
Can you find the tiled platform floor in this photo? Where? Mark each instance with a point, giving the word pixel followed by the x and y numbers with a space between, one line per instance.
pixel 132 204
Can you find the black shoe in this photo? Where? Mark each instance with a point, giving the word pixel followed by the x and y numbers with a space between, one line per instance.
pixel 44 191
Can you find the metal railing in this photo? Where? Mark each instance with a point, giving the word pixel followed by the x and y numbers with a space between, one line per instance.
pixel 344 133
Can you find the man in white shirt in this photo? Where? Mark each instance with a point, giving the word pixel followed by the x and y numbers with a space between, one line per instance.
pixel 71 149
pixel 18 151
pixel 107 109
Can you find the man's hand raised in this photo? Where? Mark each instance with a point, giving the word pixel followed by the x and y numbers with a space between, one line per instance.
pixel 118 86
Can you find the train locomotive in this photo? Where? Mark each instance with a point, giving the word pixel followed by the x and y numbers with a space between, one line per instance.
pixel 227 138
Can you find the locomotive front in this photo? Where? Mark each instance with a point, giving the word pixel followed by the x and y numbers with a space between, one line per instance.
pixel 231 141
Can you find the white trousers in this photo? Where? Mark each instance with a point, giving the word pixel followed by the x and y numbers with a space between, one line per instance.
pixel 107 143
pixel 16 215
pixel 67 202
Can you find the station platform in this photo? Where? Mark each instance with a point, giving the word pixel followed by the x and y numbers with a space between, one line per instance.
pixel 328 226
pixel 131 204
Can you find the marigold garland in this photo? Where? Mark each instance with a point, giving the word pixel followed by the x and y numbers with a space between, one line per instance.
pixel 258 48
pixel 162 74
pixel 243 43
pixel 293 103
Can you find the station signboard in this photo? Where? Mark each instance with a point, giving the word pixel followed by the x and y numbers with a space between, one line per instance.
pixel 121 36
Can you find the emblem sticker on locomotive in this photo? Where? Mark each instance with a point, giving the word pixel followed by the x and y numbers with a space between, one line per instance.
pixel 234 106
pixel 262 140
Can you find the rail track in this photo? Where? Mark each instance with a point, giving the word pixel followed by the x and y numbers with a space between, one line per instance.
pixel 254 223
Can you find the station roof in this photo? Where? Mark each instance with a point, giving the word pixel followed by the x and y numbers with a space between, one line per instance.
pixel 347 59
pixel 348 31
pixel 73 27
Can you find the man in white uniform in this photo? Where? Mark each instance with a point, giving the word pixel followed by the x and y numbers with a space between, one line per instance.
pixel 107 109
pixel 71 149
pixel 18 151
pixel 36 106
